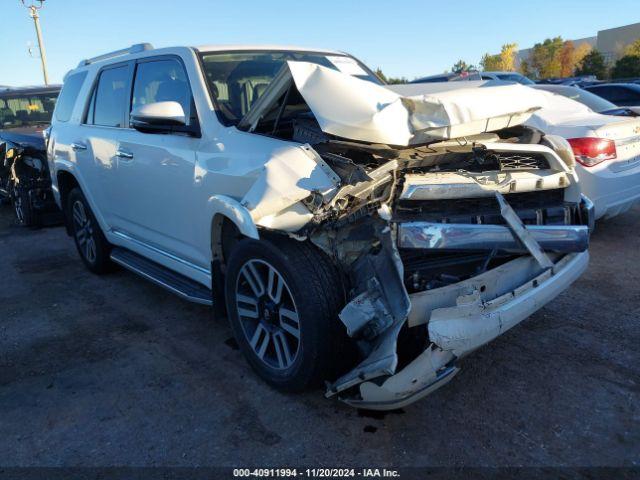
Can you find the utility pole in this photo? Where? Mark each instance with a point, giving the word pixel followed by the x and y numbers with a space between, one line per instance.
pixel 33 13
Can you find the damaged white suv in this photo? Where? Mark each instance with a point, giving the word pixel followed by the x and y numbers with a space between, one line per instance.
pixel 351 233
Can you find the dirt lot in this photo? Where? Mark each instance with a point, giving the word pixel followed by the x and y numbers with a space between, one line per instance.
pixel 101 371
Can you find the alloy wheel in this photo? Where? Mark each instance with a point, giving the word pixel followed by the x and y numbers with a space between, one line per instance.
pixel 19 208
pixel 84 232
pixel 268 314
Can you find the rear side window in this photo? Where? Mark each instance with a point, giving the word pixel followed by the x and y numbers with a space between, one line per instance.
pixel 109 98
pixel 627 94
pixel 68 96
pixel 616 94
pixel 161 81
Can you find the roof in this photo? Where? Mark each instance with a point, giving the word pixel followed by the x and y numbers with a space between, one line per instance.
pixel 222 48
pixel 147 49
pixel 614 84
pixel 30 89
pixel 501 72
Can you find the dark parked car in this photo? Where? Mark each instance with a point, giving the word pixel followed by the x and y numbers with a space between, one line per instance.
pixel 25 113
pixel 591 100
pixel 621 94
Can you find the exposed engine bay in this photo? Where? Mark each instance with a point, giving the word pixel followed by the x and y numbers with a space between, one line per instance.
pixel 444 240
pixel 25 181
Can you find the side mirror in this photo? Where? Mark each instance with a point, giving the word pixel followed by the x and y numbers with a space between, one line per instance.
pixel 160 114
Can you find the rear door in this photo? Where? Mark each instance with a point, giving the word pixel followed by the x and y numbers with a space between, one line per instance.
pixel 155 171
pixel 95 140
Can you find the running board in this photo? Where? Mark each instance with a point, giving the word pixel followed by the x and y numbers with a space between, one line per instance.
pixel 174 282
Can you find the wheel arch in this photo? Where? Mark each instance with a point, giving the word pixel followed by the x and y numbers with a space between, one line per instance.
pixel 66 181
pixel 230 222
pixel 228 214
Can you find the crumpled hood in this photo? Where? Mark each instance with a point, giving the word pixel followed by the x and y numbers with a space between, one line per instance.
pixel 24 136
pixel 352 108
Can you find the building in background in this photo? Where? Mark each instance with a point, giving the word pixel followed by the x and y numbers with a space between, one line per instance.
pixel 610 42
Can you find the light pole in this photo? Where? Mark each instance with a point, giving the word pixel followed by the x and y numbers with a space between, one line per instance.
pixel 33 13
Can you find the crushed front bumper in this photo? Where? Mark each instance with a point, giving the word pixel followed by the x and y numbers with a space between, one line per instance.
pixel 465 316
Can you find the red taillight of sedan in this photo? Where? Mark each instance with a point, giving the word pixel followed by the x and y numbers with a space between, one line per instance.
pixel 591 151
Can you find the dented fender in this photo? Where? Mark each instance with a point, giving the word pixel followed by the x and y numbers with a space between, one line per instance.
pixel 289 176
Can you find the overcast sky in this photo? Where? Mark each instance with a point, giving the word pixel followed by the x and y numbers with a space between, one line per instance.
pixel 405 38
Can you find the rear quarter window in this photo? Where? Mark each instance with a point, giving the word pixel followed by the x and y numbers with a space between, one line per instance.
pixel 68 96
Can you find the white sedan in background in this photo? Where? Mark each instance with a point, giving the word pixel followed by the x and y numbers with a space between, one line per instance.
pixel 606 147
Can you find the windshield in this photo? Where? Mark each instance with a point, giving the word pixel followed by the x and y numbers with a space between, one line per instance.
pixel 515 77
pixel 237 79
pixel 594 102
pixel 21 110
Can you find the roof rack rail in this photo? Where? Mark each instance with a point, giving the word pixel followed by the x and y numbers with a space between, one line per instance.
pixel 137 48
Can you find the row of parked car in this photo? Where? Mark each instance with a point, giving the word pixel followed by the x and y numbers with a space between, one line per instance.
pixel 354 232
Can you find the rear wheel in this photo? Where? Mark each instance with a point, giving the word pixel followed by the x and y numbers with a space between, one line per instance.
pixel 283 303
pixel 91 243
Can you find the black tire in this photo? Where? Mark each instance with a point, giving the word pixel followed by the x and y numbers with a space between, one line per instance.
pixel 93 247
pixel 25 214
pixel 316 294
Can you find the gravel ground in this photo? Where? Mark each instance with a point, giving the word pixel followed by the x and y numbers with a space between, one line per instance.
pixel 103 371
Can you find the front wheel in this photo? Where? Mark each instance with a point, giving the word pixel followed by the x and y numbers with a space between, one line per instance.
pixel 283 303
pixel 23 209
pixel 91 243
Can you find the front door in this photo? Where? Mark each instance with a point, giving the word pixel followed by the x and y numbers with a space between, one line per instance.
pixel 155 171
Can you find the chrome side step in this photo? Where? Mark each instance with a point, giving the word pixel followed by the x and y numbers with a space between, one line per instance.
pixel 174 282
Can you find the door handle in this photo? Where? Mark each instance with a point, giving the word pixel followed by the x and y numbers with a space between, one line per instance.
pixel 78 146
pixel 121 154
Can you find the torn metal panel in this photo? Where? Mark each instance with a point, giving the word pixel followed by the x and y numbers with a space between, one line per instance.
pixel 426 373
pixel 376 314
pixel 377 177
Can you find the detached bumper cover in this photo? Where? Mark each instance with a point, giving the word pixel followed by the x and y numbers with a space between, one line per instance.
pixel 473 322
pixel 459 329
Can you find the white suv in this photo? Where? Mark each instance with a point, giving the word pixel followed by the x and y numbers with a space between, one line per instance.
pixel 351 232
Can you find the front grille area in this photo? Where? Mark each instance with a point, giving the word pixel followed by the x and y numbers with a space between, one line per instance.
pixel 545 207
pixel 518 162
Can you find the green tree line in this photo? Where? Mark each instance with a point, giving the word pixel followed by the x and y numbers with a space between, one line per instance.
pixel 555 57
pixel 552 58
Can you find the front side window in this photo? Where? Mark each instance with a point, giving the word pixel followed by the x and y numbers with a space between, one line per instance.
pixel 109 98
pixel 21 110
pixel 161 81
pixel 237 79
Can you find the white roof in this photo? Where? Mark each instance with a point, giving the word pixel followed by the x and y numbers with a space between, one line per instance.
pixel 222 48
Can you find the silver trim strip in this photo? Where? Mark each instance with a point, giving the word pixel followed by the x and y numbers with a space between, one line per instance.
pixel 457 236
pixel 621 142
pixel 160 251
